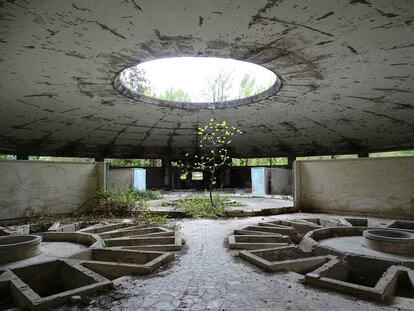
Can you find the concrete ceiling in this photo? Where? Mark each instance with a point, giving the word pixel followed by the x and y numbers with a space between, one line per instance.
pixel 347 68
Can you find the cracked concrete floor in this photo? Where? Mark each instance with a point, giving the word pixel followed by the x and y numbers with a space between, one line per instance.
pixel 208 277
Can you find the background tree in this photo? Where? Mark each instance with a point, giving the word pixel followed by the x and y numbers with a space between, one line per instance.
pixel 215 138
pixel 219 87
pixel 175 95
pixel 247 86
pixel 136 80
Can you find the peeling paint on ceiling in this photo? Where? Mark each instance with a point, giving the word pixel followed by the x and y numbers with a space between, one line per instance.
pixel 347 68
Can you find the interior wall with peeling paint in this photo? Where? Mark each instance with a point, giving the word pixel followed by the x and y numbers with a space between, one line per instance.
pixel 280 180
pixel 381 187
pixel 34 188
pixel 120 178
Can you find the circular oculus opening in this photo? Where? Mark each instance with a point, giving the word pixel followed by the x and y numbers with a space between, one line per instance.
pixel 197 82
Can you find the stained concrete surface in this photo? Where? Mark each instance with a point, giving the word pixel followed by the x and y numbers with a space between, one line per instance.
pixel 366 186
pixel 33 188
pixel 208 277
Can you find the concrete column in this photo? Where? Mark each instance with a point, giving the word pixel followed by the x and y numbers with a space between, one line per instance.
pixel 291 159
pixel 22 157
pixel 363 155
pixel 166 164
pixel 297 186
pixel 99 159
pixel 102 174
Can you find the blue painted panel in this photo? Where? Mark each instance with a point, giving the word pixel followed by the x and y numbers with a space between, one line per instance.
pixel 258 181
pixel 139 179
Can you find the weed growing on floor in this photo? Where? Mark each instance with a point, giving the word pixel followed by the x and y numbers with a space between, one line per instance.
pixel 145 214
pixel 119 203
pixel 200 206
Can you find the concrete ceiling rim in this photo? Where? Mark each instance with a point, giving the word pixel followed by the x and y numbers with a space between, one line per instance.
pixel 140 98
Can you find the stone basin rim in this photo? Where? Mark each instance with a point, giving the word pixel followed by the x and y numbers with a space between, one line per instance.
pixel 22 240
pixel 398 236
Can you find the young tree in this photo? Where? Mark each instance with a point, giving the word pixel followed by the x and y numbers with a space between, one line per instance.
pixel 219 87
pixel 215 139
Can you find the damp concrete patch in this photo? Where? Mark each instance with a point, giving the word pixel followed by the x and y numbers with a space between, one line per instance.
pixel 114 263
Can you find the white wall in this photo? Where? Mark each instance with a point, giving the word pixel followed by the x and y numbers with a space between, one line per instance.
pixel 119 178
pixel 280 180
pixel 30 188
pixel 382 187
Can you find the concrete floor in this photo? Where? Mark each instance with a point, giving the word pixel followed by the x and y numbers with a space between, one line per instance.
pixel 209 277
pixel 247 204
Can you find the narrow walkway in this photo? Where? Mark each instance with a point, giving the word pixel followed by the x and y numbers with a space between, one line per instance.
pixel 208 277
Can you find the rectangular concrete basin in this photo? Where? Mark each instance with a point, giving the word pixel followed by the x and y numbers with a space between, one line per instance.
pixel 257 241
pixel 252 232
pixel 52 278
pixel 285 228
pixel 289 258
pixel 7 296
pixel 100 228
pixel 48 284
pixel 136 232
pixel 301 226
pixel 402 224
pixel 358 222
pixel 146 243
pixel 271 229
pixel 365 277
pixel 114 263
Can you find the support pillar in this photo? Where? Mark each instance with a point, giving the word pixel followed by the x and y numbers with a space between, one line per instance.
pixel 166 163
pixel 22 157
pixel 291 159
pixel 99 159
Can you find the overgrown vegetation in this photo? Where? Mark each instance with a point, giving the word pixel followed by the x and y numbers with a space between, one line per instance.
pixel 120 203
pixel 200 206
pixel 135 162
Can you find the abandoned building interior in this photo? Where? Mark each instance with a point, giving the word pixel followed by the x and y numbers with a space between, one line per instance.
pixel 138 172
